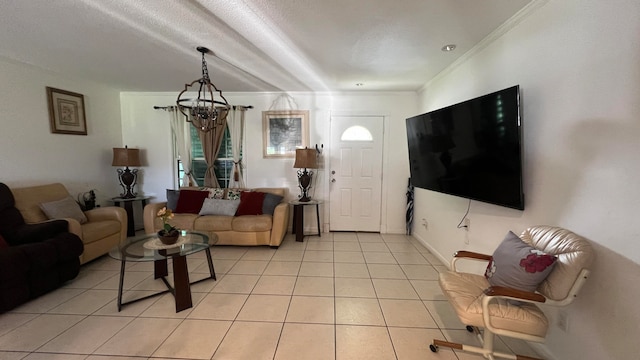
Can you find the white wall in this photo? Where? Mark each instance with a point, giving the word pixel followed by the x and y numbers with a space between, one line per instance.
pixel 32 155
pixel 578 65
pixel 149 129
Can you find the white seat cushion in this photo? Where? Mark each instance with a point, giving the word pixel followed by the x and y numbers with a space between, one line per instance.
pixel 465 293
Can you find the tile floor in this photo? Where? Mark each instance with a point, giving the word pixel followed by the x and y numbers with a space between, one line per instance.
pixel 339 296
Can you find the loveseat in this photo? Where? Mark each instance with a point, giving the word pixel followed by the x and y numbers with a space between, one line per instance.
pixel 231 229
pixel 34 258
pixel 101 228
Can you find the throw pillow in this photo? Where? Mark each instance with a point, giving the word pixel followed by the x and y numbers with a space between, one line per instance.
pixel 190 201
pixel 233 194
pixel 270 203
pixel 65 208
pixel 517 265
pixel 250 203
pixel 214 193
pixel 3 243
pixel 172 199
pixel 219 207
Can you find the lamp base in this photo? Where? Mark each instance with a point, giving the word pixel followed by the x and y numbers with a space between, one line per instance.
pixel 304 183
pixel 127 180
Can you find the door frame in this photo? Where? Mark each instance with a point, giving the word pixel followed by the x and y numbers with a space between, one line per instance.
pixel 385 165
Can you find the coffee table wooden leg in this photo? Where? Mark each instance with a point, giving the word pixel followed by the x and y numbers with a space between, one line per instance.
pixel 181 283
pixel 121 282
pixel 212 271
pixel 160 268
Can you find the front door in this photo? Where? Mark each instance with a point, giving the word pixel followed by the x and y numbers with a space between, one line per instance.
pixel 355 173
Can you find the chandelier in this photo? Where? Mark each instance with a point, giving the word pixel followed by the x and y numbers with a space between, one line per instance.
pixel 205 112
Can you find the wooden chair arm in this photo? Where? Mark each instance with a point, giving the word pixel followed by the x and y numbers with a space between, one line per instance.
pixel 472 255
pixel 463 254
pixel 514 293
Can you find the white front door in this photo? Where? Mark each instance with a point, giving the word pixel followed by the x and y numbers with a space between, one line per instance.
pixel 355 173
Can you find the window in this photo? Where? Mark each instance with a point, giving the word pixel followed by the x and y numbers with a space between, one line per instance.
pixel 223 166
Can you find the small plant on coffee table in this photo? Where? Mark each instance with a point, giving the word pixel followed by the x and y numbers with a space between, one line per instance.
pixel 169 234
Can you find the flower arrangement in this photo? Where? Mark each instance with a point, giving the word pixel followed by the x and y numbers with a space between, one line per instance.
pixel 166 214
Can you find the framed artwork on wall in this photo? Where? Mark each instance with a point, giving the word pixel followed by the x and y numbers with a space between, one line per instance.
pixel 283 131
pixel 66 112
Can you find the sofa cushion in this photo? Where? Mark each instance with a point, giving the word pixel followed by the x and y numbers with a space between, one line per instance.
pixel 213 223
pixel 214 193
pixel 172 199
pixel 233 194
pixel 64 208
pixel 517 265
pixel 219 207
pixel 190 201
pixel 250 203
pixel 252 223
pixel 270 202
pixel 28 200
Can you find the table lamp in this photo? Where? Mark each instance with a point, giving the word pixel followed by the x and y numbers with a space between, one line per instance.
pixel 305 159
pixel 127 157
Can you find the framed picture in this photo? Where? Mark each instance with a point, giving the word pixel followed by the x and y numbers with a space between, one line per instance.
pixel 66 112
pixel 283 131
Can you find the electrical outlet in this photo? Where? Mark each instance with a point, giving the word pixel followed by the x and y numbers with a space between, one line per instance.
pixel 563 320
pixel 467 224
pixel 425 224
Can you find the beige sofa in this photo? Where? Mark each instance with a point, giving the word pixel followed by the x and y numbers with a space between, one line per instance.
pixel 231 230
pixel 106 226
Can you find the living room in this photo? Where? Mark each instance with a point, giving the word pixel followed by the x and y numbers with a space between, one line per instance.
pixel 576 63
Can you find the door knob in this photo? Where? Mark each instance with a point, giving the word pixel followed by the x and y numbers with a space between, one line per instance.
pixel 333 180
pixel 333 172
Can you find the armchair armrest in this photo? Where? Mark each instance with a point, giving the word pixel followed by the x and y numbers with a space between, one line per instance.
pixel 107 213
pixel 37 232
pixel 279 223
pixel 149 215
pixel 503 291
pixel 463 254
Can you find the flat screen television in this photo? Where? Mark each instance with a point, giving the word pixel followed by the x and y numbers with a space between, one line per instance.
pixel 472 149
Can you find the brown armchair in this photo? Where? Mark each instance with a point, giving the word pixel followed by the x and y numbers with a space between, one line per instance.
pixel 106 226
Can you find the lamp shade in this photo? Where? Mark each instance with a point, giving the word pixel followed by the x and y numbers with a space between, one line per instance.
pixel 126 157
pixel 305 158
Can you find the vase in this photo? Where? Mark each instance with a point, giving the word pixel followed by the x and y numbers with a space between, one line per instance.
pixel 170 238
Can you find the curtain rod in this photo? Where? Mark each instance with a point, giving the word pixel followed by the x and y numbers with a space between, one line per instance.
pixel 173 107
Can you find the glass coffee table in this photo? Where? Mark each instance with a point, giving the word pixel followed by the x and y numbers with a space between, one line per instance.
pixel 149 248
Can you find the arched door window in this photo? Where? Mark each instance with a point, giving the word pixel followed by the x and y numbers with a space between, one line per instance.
pixel 356 133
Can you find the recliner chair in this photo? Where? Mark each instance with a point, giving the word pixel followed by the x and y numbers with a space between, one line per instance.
pixel 512 312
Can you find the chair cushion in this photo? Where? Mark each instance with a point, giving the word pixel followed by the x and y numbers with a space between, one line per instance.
pixel 214 193
pixel 252 223
pixel 465 293
pixel 64 208
pixel 517 265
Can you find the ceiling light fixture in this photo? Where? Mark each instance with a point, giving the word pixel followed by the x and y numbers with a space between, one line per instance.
pixel 449 47
pixel 205 112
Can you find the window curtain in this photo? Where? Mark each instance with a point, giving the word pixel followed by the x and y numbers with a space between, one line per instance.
pixel 182 137
pixel 236 128
pixel 211 141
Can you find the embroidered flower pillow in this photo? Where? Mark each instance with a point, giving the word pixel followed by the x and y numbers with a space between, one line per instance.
pixel 517 265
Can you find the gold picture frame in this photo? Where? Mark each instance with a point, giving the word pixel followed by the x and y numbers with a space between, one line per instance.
pixel 66 112
pixel 283 131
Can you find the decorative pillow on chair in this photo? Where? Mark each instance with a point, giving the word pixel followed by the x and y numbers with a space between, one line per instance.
pixel 250 203
pixel 219 207
pixel 214 193
pixel 270 203
pixel 65 208
pixel 172 199
pixel 190 201
pixel 517 265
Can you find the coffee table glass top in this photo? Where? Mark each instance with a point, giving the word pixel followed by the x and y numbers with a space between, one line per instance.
pixel 133 248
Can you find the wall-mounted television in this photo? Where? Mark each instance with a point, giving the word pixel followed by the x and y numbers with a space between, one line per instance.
pixel 472 149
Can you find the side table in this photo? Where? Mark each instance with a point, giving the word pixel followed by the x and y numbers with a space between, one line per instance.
pixel 298 216
pixel 128 207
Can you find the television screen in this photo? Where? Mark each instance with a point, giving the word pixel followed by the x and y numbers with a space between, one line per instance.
pixel 471 149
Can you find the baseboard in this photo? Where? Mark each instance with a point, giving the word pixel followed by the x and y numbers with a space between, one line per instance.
pixel 445 261
pixel 542 350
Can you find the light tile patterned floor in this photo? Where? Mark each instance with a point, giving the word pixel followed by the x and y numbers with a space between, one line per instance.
pixel 339 296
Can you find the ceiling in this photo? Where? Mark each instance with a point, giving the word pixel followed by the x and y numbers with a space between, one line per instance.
pixel 257 45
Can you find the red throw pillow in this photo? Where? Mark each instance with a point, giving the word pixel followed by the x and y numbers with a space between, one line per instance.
pixel 190 201
pixel 3 243
pixel 250 203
